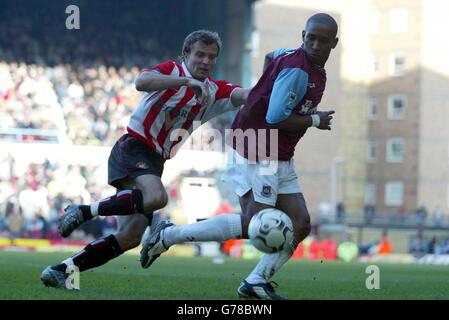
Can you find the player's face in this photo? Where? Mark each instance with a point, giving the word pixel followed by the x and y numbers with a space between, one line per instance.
pixel 319 40
pixel 201 59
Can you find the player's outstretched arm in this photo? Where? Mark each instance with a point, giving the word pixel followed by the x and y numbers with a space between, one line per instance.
pixel 325 118
pixel 154 81
pixel 295 122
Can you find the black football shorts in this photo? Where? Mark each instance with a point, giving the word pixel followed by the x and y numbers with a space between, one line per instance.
pixel 131 158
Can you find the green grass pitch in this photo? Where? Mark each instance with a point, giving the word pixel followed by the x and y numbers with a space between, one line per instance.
pixel 198 278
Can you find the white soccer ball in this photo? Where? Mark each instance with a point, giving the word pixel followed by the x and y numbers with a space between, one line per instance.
pixel 270 230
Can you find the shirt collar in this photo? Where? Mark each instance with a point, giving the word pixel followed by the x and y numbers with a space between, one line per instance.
pixel 186 71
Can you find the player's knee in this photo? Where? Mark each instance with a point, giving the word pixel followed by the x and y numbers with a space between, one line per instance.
pixel 155 200
pixel 160 199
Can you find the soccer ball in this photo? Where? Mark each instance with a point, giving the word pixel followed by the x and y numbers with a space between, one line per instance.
pixel 270 230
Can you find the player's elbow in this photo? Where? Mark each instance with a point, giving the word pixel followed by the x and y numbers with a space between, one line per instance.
pixel 144 82
pixel 139 84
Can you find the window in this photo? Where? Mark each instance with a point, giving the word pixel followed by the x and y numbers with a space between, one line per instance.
pixel 372 150
pixel 394 193
pixel 396 107
pixel 396 64
pixel 370 194
pixel 395 150
pixel 373 108
pixel 399 20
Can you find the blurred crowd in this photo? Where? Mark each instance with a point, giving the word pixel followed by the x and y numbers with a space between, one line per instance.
pixel 79 84
pixel 31 202
pixel 434 245
pixel 88 106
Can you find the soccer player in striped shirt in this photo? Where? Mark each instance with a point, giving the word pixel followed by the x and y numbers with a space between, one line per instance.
pixel 175 96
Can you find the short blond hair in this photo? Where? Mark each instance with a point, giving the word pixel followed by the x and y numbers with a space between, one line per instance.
pixel 205 36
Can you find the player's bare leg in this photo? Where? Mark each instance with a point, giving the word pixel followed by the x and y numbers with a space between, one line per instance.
pixel 145 193
pixel 257 285
pixel 249 208
pixel 166 234
pixel 131 229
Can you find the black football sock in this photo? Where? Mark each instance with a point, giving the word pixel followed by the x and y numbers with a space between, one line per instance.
pixel 97 253
pixel 125 202
pixel 87 214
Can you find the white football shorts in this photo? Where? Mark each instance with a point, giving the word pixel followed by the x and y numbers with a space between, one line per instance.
pixel 265 179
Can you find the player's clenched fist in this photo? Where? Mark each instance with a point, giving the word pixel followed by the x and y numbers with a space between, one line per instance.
pixel 325 119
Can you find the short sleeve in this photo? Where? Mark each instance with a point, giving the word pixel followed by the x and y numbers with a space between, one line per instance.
pixel 288 90
pixel 163 68
pixel 224 89
pixel 280 51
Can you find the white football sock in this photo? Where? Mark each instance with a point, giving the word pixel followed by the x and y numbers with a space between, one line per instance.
pixel 68 262
pixel 268 266
pixel 94 208
pixel 219 228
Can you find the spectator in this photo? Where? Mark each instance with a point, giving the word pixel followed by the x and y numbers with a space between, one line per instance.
pixel 421 215
pixel 369 213
pixel 341 212
pixel 329 247
pixel 418 247
pixel 438 217
pixel 431 245
pixel 385 247
pixel 15 220
pixel 347 250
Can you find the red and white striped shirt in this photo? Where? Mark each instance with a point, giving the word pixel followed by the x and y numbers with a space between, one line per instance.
pixel 161 112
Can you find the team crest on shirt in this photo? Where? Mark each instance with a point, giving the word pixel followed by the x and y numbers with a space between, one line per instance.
pixel 142 165
pixel 266 191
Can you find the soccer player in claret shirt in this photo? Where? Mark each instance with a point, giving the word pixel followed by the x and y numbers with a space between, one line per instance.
pixel 176 97
pixel 285 98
